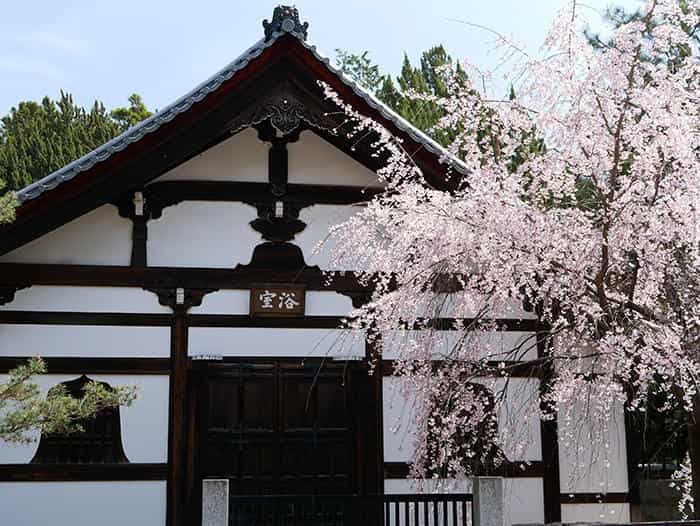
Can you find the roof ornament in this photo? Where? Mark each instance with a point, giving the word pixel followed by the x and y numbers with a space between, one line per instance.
pixel 285 19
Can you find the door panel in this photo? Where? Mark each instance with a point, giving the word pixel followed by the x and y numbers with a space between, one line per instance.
pixel 278 427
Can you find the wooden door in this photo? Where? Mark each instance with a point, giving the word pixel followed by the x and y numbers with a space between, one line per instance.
pixel 279 427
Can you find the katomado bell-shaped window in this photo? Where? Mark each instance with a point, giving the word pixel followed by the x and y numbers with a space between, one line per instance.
pixel 99 441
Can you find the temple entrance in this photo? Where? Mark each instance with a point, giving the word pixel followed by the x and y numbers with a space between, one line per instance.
pixel 279 427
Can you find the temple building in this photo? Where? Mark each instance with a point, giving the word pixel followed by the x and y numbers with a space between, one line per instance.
pixel 180 257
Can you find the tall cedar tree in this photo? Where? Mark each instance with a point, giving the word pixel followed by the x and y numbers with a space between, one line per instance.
pixel 39 138
pixel 426 79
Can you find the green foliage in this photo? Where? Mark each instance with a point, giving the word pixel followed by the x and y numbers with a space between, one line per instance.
pixel 129 116
pixel 617 16
pixel 360 69
pixel 8 203
pixel 406 96
pixel 39 138
pixel 23 409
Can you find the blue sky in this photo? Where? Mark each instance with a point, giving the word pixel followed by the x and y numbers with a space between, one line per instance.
pixel 162 48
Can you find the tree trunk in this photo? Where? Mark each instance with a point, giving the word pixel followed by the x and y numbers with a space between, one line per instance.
pixel 694 452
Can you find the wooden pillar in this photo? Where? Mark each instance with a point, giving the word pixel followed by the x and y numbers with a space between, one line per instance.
pixel 132 205
pixel 139 240
pixel 549 438
pixel 177 427
pixel 179 300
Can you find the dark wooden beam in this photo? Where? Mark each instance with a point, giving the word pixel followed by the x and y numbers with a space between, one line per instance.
pixel 167 193
pixel 81 472
pixel 170 277
pixel 239 320
pixel 532 469
pixel 594 498
pixel 524 369
pixel 119 319
pixel 83 365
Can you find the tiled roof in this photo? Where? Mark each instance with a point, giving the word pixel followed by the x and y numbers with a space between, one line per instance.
pixel 167 114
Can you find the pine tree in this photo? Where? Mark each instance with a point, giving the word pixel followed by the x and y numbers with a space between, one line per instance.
pixel 39 138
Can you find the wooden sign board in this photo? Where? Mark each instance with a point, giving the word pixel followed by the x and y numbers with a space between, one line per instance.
pixel 277 300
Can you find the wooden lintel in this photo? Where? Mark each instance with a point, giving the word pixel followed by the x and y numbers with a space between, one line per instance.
pixel 169 277
pixel 82 472
pixel 86 365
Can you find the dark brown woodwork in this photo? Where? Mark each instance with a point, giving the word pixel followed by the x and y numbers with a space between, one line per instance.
pixel 278 229
pixel 238 320
pixel 278 257
pixel 279 426
pixel 526 369
pixel 172 277
pixel 278 167
pixel 358 298
pixel 281 113
pixel 549 437
pixel 81 472
pixel 168 193
pixel 164 320
pixel 594 498
pixel 80 365
pixel 168 297
pixel 117 319
pixel 273 226
pixel 508 469
pixel 370 411
pixel 177 425
pixel 7 294
pixel 139 242
pixel 139 232
pixel 128 319
pixel 179 300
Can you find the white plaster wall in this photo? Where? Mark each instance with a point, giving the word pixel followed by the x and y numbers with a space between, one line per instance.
pixel 319 219
pixel 136 503
pixel 144 425
pixel 243 157
pixel 85 299
pixel 224 302
pixel 524 501
pixel 84 340
pixel 589 464
pixel 202 234
pixel 327 303
pixel 275 342
pixel 461 305
pixel 99 237
pixel 518 421
pixel 398 414
pixel 314 161
pixel 605 513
